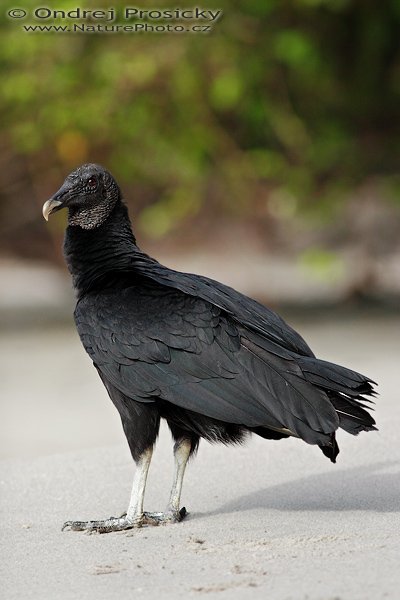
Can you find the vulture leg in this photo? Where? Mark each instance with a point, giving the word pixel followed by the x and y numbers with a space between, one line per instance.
pixel 134 516
pixel 173 514
pixel 181 454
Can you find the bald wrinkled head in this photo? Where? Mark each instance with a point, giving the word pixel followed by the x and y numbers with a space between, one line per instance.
pixel 90 193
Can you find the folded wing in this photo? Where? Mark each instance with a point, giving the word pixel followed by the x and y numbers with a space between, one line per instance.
pixel 150 341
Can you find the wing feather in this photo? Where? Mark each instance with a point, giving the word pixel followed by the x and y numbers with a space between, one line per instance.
pixel 192 353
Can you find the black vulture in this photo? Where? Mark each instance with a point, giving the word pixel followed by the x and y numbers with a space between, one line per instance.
pixel 212 362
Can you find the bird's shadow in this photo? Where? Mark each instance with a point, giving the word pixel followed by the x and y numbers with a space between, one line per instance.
pixel 359 488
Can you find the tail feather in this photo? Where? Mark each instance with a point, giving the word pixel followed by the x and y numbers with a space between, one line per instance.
pixel 336 378
pixel 352 418
pixel 346 390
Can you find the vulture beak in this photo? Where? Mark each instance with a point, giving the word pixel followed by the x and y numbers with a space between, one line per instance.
pixel 58 201
pixel 50 206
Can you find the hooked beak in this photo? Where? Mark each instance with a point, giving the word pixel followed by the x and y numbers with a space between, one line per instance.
pixel 58 201
pixel 50 206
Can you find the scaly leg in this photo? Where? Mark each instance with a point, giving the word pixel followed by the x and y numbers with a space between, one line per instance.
pixel 173 514
pixel 134 517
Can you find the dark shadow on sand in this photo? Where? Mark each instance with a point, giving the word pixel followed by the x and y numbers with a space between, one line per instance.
pixel 359 488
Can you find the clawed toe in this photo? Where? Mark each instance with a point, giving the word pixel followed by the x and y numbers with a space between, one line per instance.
pixel 104 526
pixel 163 518
pixel 124 522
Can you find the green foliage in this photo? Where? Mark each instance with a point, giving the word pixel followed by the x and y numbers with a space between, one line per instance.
pixel 294 102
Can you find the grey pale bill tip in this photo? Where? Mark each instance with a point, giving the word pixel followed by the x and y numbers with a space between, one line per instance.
pixel 49 206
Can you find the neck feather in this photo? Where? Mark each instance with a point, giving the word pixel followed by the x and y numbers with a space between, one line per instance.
pixel 90 217
pixel 96 255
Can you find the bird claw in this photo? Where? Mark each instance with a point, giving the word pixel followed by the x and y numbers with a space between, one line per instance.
pixel 103 526
pixel 124 522
pixel 164 518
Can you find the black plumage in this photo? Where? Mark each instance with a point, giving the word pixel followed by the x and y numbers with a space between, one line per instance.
pixel 212 362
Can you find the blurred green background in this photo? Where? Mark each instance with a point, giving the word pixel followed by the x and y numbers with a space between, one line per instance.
pixel 281 126
pixel 264 154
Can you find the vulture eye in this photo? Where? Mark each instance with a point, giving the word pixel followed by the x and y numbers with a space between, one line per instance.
pixel 92 182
